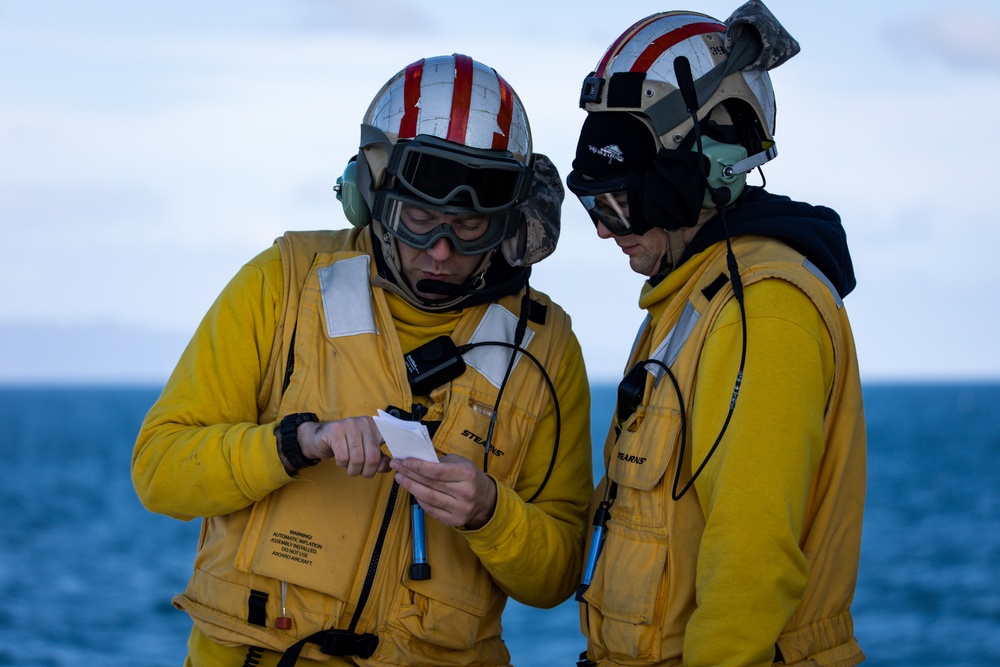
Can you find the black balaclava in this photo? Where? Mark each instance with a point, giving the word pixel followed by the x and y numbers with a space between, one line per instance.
pixel 664 187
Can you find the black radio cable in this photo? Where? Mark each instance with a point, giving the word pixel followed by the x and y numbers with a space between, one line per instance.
pixel 552 391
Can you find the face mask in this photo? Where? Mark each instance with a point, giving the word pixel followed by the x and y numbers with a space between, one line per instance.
pixel 669 194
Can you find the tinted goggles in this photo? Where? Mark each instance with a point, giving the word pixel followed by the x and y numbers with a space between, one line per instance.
pixel 606 200
pixel 442 172
pixel 420 225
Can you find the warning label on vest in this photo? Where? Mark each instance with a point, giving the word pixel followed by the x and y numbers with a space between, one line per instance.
pixel 295 546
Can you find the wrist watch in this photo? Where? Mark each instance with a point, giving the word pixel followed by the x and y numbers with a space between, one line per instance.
pixel 288 439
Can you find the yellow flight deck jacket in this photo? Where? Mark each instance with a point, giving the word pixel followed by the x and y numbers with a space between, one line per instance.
pixel 758 560
pixel 302 328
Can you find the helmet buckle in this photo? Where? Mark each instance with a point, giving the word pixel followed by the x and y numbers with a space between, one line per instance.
pixel 591 91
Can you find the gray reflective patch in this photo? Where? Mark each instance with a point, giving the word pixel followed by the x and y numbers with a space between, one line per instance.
pixel 347 298
pixel 497 325
pixel 670 348
pixel 813 269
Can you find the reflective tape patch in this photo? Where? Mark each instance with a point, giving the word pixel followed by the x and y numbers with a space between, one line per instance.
pixel 670 348
pixel 498 325
pixel 813 269
pixel 347 298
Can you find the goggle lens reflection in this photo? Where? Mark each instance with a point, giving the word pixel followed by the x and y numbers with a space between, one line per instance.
pixel 440 172
pixel 609 209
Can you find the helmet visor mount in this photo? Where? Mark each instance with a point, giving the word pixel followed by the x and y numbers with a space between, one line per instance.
pixel 442 172
pixel 420 225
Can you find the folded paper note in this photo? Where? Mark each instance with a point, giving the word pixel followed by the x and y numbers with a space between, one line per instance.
pixel 405 439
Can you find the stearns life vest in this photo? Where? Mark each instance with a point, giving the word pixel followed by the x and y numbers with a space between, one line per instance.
pixel 653 540
pixel 343 544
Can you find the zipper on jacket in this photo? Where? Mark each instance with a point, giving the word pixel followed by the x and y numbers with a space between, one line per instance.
pixel 376 556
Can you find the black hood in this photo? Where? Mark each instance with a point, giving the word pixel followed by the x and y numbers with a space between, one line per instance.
pixel 814 231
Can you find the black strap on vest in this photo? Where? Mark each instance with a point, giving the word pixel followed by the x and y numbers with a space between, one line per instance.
pixel 339 643
pixel 416 416
pixel 713 288
pixel 257 608
pixel 290 361
pixel 537 312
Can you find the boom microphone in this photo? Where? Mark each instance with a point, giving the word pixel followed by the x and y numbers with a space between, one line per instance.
pixel 441 287
pixel 685 82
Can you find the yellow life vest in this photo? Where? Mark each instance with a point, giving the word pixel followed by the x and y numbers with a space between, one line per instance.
pixel 341 544
pixel 643 588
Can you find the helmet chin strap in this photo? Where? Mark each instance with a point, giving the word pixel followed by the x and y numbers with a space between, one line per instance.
pixel 678 241
pixel 676 245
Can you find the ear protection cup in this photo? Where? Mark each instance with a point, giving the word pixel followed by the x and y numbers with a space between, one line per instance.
pixel 721 157
pixel 355 208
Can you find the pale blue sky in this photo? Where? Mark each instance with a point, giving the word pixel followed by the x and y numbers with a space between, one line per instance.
pixel 148 149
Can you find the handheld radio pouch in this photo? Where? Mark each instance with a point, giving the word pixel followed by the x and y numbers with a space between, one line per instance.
pixel 433 364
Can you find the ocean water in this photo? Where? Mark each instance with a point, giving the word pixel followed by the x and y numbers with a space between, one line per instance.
pixel 86 574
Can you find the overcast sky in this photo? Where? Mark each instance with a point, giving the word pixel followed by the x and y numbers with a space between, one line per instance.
pixel 149 149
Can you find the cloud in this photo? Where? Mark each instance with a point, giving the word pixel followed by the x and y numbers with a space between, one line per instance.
pixel 61 207
pixel 963 38
pixel 369 17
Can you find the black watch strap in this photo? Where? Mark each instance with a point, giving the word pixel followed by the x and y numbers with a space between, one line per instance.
pixel 288 439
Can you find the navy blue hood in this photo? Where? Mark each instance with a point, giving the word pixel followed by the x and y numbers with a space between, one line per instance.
pixel 814 231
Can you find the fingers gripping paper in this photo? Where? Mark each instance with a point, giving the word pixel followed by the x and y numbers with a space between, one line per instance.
pixel 405 439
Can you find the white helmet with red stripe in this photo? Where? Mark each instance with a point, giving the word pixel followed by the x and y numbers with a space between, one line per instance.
pixel 454 98
pixel 637 75
pixel 461 103
pixel 446 133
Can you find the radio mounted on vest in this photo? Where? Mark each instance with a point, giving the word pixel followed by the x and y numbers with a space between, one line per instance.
pixel 433 364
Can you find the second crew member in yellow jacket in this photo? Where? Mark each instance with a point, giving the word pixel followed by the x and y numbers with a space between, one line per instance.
pixel 728 525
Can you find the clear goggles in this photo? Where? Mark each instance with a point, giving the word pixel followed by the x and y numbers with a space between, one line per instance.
pixel 443 172
pixel 605 199
pixel 420 225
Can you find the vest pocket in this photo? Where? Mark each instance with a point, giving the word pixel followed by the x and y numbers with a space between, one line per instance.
pixel 638 463
pixel 623 595
pixel 295 535
pixel 448 609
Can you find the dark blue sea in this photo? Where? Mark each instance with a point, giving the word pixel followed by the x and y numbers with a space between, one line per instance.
pixel 86 574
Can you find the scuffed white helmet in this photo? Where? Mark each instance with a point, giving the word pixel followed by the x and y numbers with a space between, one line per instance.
pixel 637 74
pixel 446 133
pixel 453 98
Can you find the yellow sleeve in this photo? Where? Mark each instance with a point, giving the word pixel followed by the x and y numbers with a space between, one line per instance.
pixel 751 572
pixel 200 451
pixel 535 551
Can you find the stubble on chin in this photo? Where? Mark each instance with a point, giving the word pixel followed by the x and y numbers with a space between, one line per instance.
pixel 643 265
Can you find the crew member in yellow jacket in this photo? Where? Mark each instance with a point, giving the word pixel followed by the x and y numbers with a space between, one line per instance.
pixel 727 528
pixel 318 546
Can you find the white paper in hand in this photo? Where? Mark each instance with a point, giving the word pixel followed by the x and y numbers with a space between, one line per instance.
pixel 405 439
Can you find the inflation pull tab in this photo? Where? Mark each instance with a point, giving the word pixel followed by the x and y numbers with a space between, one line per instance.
pixel 283 622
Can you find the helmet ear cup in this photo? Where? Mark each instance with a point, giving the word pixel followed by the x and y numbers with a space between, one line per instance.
pixel 721 157
pixel 355 208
